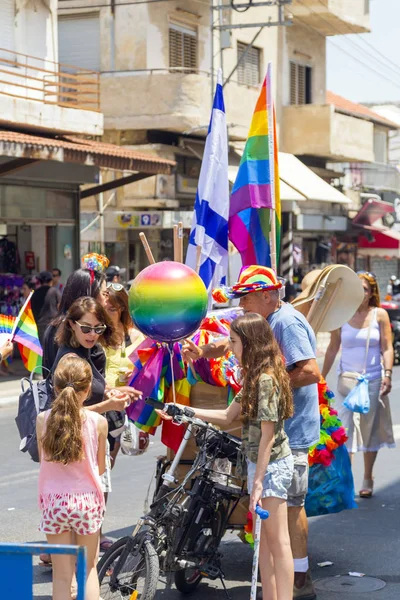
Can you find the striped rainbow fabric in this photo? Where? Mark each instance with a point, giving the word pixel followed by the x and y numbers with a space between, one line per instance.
pixel 26 335
pixel 255 193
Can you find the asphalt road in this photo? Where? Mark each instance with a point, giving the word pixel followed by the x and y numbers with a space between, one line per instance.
pixel 365 540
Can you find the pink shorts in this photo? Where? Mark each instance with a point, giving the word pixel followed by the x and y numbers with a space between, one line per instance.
pixel 82 513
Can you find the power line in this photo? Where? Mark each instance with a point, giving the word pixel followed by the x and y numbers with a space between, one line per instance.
pixel 383 76
pixel 368 44
pixel 110 5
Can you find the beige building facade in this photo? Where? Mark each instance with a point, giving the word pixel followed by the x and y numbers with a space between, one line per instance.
pixel 158 64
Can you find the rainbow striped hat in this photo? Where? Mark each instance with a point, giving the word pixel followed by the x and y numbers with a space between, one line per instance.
pixel 253 278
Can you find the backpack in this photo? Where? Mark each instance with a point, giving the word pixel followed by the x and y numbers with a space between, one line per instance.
pixel 34 399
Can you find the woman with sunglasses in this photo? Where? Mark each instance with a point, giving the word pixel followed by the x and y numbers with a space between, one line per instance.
pixel 366 342
pixel 80 283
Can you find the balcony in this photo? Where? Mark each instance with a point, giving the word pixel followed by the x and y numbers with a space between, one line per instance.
pixel 48 96
pixel 317 130
pixel 171 99
pixel 373 176
pixel 333 17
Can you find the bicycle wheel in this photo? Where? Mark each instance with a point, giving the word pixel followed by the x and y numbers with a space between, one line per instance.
pixel 138 573
pixel 187 580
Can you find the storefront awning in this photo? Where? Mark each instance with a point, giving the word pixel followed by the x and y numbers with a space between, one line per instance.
pixel 302 179
pixel 298 182
pixel 381 242
pixel 70 149
pixel 371 211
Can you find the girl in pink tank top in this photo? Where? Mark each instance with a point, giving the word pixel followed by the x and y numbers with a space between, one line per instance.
pixel 72 448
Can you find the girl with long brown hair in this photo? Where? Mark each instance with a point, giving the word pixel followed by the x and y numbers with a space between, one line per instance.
pixel 263 404
pixel 72 448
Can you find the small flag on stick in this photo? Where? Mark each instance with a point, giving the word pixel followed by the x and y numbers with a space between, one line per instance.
pixel 25 333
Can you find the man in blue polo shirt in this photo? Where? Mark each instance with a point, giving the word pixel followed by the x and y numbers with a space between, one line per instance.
pixel 258 290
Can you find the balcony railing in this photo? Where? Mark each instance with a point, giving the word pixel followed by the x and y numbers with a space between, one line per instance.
pixel 373 176
pixel 31 78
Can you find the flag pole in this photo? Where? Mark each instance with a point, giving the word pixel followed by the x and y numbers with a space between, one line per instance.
pixel 21 312
pixel 271 143
pixel 147 248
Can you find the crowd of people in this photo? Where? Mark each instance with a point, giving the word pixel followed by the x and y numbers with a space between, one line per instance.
pixel 86 347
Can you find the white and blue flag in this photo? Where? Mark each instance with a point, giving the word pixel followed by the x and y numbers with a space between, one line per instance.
pixel 211 208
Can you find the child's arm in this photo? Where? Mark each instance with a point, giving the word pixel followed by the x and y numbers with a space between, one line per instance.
pixel 102 431
pixel 264 454
pixel 218 416
pixel 39 433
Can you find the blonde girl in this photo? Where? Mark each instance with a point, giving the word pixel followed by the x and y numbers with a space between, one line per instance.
pixel 72 446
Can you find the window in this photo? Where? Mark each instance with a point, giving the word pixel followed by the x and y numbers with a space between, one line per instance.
pixel 380 145
pixel 7 25
pixel 300 84
pixel 79 40
pixel 249 68
pixel 182 48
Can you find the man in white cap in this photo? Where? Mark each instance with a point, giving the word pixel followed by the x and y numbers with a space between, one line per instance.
pixel 258 290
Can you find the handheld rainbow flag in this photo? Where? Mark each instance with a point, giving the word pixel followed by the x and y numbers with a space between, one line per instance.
pixel 6 328
pixel 255 208
pixel 25 333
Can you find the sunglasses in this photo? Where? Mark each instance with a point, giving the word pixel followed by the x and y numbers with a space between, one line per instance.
pixel 367 273
pixel 99 330
pixel 117 287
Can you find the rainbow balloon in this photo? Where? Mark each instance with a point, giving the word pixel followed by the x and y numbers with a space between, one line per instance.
pixel 168 301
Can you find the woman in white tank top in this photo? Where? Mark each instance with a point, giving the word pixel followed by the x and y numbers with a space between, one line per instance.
pixel 366 342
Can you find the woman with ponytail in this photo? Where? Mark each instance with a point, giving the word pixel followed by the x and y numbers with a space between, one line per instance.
pixel 72 448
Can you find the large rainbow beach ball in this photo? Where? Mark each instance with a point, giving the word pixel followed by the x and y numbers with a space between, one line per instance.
pixel 168 301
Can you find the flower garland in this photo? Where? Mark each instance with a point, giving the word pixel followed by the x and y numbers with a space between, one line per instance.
pixel 332 433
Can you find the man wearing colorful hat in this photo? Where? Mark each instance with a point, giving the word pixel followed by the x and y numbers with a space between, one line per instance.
pixel 258 289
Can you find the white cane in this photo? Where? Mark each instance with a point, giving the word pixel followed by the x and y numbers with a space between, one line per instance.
pixel 260 514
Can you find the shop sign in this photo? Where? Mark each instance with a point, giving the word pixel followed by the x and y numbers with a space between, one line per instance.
pixel 29 260
pixel 133 220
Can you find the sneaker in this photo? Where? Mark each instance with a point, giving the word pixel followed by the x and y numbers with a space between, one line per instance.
pixel 306 591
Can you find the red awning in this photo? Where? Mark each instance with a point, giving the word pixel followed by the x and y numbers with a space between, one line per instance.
pixel 383 242
pixel 371 211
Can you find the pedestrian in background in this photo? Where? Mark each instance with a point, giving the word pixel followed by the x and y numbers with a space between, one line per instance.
pixel 72 442
pixel 56 280
pixel 366 342
pixel 45 281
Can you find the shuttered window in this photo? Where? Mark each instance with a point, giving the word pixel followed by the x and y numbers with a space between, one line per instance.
pixel 300 84
pixel 7 28
pixel 182 48
pixel 249 68
pixel 79 41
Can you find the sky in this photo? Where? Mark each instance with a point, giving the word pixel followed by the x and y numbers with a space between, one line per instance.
pixel 356 70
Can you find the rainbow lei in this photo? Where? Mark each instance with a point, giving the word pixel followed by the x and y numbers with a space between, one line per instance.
pixel 332 435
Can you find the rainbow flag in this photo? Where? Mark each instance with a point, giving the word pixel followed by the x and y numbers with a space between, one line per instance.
pixel 255 197
pixel 25 333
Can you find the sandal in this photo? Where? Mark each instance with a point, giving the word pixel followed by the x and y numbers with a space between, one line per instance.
pixel 105 544
pixel 45 560
pixel 367 488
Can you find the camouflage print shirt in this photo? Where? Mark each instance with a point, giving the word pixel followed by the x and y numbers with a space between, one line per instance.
pixel 268 410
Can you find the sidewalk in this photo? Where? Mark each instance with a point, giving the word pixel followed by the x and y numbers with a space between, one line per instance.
pixel 10 385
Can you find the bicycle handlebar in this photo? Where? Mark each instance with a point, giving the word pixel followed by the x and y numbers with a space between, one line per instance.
pixel 171 409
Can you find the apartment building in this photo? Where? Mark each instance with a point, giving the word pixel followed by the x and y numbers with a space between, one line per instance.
pixel 48 112
pixel 158 64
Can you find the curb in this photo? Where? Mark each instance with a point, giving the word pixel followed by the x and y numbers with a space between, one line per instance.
pixel 12 401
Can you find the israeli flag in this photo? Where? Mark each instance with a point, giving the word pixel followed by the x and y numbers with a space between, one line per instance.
pixel 211 209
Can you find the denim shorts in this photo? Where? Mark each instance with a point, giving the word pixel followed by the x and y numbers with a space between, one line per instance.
pixel 276 480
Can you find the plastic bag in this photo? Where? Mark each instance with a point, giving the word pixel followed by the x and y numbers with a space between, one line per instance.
pixel 358 399
pixel 331 489
pixel 133 441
